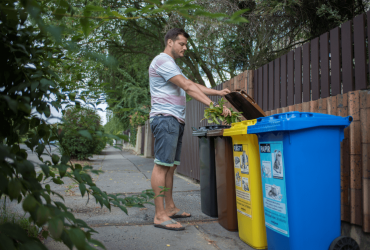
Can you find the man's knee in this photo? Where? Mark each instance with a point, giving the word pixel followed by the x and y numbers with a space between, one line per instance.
pixel 161 169
pixel 172 169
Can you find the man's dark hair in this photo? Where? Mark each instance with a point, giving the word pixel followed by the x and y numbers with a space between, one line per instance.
pixel 173 34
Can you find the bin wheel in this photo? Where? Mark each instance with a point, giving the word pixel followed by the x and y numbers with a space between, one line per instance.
pixel 344 243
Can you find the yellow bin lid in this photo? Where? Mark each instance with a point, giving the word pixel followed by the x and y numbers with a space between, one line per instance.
pixel 239 128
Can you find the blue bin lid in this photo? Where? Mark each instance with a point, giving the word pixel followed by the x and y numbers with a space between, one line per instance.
pixel 297 120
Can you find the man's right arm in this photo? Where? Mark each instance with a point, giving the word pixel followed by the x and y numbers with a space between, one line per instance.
pixel 194 91
pixel 191 89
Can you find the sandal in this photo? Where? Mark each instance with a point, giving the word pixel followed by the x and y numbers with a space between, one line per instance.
pixel 164 225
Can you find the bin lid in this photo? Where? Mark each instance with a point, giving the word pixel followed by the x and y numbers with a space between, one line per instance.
pixel 239 128
pixel 297 120
pixel 202 131
pixel 245 103
pixel 216 132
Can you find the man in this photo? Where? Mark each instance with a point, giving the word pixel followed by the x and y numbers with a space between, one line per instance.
pixel 168 89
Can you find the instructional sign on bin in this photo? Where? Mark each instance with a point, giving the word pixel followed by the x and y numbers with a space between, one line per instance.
pixel 243 196
pixel 274 187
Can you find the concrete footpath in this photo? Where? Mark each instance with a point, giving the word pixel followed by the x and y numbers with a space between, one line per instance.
pixel 127 173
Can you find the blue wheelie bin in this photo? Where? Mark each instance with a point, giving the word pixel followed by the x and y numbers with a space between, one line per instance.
pixel 300 171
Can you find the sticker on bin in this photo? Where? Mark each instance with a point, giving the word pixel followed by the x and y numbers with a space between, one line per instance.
pixel 242 180
pixel 274 187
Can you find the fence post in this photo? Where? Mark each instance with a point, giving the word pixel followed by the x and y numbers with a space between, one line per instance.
pixel 138 140
pixel 148 140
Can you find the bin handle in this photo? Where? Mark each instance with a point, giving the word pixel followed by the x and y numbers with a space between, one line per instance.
pixel 242 91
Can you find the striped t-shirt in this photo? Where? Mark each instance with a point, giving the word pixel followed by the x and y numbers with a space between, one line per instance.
pixel 167 98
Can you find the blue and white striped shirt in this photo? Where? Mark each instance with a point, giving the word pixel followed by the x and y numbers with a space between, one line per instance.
pixel 167 98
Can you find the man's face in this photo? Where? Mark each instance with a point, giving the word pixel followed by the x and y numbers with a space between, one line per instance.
pixel 178 46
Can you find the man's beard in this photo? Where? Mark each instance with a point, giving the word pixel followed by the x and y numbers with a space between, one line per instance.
pixel 174 54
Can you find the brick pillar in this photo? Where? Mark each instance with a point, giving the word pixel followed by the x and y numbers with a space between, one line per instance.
pixel 322 105
pixel 342 110
pixel 306 107
pixel 355 150
pixel 314 106
pixel 291 108
pixel 298 107
pixel 365 139
pixel 332 105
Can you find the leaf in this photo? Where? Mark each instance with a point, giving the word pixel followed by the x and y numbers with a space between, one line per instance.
pixel 97 243
pixel 85 133
pixel 82 189
pixel 45 169
pixel 47 82
pixel 14 188
pixel 237 20
pixel 42 215
pixel 238 13
pixel 85 26
pixel 45 234
pixel 62 170
pixel 6 242
pixel 39 178
pixel 78 237
pixel 12 104
pixel 65 159
pixel 128 10
pixel 29 203
pixel 94 8
pixel 58 181
pixel 55 227
pixel 72 96
pixel 55 158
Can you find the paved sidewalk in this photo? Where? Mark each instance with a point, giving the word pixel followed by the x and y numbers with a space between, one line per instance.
pixel 129 174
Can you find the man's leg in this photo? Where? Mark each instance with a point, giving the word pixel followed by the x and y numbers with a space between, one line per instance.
pixel 171 208
pixel 159 179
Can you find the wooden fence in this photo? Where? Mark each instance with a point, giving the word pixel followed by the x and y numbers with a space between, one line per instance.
pixel 328 75
pixel 332 64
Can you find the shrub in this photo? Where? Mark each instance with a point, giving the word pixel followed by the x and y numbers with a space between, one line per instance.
pixel 82 133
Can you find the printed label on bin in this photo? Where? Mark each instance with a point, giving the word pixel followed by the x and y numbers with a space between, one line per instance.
pixel 242 180
pixel 274 187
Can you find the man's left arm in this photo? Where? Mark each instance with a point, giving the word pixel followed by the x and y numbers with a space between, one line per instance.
pixel 208 91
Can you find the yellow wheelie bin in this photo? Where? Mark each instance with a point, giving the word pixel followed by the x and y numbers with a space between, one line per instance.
pixel 248 184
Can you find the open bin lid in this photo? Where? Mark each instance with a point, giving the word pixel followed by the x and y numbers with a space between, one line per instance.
pixel 246 104
pixel 202 131
pixel 297 120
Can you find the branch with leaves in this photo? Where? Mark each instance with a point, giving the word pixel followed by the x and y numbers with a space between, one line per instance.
pixel 214 114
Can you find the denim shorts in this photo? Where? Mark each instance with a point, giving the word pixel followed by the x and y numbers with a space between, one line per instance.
pixel 168 134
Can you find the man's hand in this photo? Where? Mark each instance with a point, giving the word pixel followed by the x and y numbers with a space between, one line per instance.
pixel 224 92
pixel 226 111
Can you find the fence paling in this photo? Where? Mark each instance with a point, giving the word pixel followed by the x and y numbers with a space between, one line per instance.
pixel 324 64
pixel 298 75
pixel 271 85
pixel 276 88
pixel 335 61
pixel 360 51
